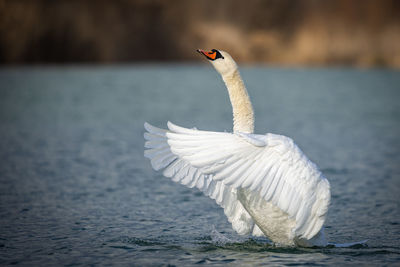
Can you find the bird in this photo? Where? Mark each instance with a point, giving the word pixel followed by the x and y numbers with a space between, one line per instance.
pixel 265 183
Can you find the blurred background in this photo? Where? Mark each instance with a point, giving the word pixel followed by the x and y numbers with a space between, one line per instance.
pixel 362 33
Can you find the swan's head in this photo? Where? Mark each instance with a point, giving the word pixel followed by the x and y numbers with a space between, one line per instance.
pixel 221 61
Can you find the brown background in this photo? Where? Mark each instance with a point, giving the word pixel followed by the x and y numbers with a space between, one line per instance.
pixel 285 32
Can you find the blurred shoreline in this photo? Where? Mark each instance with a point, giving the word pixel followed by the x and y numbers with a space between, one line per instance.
pixel 281 33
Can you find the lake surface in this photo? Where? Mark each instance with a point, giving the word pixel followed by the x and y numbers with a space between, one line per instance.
pixel 75 188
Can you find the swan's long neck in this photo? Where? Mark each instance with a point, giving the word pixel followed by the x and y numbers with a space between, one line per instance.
pixel 243 115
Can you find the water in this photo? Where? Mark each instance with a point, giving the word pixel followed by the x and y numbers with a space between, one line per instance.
pixel 76 189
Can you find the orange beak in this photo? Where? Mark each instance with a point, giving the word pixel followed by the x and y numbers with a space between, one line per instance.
pixel 210 55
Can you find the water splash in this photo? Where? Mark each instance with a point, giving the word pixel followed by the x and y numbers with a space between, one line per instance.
pixel 219 239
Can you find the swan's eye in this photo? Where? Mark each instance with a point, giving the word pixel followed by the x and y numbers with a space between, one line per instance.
pixel 218 54
pixel 212 55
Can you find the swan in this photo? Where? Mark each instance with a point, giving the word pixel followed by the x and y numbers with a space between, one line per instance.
pixel 264 183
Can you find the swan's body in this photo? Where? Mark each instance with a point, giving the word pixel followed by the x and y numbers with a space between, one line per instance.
pixel 265 183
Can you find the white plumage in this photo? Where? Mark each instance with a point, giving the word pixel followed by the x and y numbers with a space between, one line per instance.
pixel 265 183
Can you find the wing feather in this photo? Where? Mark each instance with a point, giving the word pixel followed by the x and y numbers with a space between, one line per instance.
pixel 219 163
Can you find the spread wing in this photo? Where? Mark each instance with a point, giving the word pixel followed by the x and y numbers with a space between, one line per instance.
pixel 218 163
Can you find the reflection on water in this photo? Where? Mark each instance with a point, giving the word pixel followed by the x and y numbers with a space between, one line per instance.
pixel 76 189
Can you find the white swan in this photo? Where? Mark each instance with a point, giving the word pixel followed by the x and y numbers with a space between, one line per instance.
pixel 265 183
